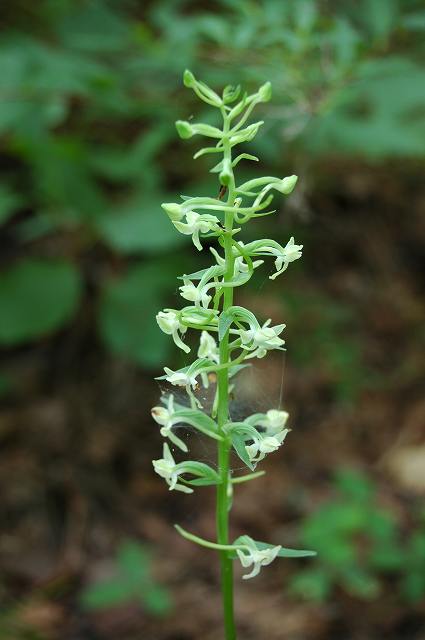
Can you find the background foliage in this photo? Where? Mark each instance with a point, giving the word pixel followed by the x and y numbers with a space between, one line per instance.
pixel 90 91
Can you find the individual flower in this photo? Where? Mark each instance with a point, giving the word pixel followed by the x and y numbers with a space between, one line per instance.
pixel 165 416
pixel 265 444
pixel 170 324
pixel 262 339
pixel 181 378
pixel 288 254
pixel 197 294
pixel 208 347
pixel 252 555
pixel 195 224
pixel 274 421
pixel 265 92
pixel 166 467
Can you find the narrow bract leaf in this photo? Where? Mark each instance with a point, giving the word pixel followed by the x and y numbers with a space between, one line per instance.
pixel 224 323
pixel 288 553
pixel 238 442
pixel 198 469
pixel 283 553
pixel 199 420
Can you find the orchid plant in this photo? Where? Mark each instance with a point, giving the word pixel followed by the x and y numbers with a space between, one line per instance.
pixel 230 335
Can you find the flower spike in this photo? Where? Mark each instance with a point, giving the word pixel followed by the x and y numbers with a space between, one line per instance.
pixel 230 336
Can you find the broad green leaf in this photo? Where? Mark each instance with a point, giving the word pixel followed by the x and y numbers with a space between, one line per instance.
pixel 37 297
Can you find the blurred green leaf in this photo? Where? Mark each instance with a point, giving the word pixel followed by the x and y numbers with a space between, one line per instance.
pixel 381 113
pixel 37 297
pixel 95 27
pixel 9 202
pixel 354 484
pixel 414 21
pixel 413 586
pixel 157 600
pixel 106 594
pixel 132 583
pixel 361 583
pixel 139 226
pixel 312 584
pixel 127 313
pixel 379 17
pixel 133 560
pixel 358 543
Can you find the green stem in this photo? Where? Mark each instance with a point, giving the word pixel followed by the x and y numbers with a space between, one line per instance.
pixel 223 489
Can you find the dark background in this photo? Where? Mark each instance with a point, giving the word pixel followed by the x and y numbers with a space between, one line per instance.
pixel 89 94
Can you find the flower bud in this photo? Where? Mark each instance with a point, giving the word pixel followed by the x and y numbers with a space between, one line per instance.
pixel 189 79
pixel 173 210
pixel 265 92
pixel 184 129
pixel 230 93
pixel 206 130
pixel 226 173
pixel 286 186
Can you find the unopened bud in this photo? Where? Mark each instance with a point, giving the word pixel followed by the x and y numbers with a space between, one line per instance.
pixel 265 92
pixel 286 186
pixel 173 210
pixel 184 129
pixel 226 173
pixel 189 79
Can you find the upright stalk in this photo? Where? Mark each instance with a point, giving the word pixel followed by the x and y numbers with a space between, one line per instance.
pixel 210 292
pixel 223 489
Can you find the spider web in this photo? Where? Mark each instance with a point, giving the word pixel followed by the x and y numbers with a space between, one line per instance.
pixel 257 389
